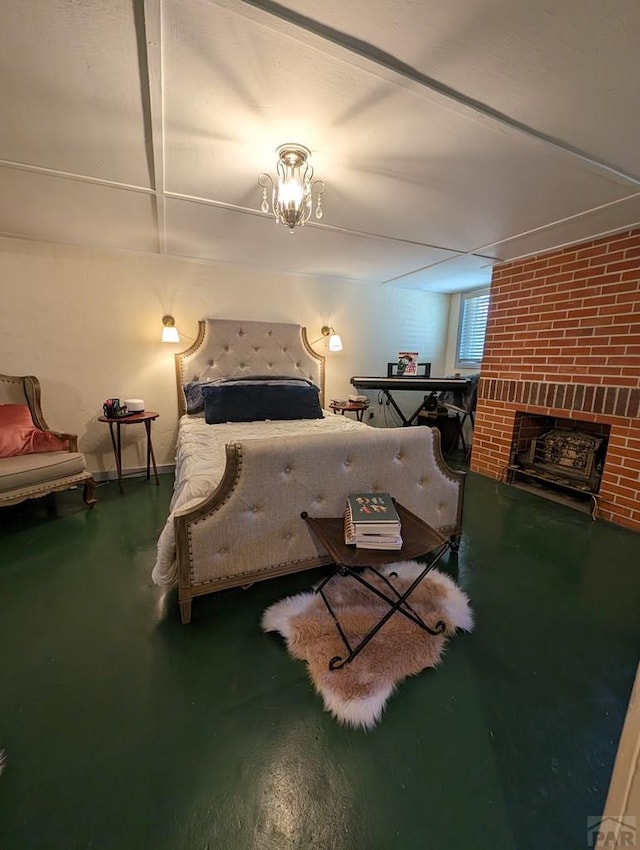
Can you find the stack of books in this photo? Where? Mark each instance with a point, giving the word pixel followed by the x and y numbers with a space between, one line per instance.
pixel 371 521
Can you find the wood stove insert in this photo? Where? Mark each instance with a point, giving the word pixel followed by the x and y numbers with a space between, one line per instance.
pixel 559 459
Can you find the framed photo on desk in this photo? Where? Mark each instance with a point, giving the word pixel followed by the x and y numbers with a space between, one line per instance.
pixel 424 371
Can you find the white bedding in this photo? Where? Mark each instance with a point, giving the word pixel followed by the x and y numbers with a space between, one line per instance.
pixel 200 463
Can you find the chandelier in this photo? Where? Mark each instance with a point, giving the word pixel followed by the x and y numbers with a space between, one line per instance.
pixel 292 194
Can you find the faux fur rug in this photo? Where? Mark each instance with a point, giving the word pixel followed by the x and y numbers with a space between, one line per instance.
pixel 357 693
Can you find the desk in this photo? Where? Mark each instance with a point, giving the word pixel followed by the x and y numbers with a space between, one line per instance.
pixel 418 539
pixel 147 417
pixel 430 386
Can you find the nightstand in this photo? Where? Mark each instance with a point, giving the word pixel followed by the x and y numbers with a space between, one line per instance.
pixel 146 417
pixel 357 407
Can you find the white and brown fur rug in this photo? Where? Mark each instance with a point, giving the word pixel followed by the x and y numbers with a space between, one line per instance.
pixel 357 693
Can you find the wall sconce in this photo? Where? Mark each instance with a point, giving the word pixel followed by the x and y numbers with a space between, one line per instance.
pixel 335 340
pixel 169 330
pixel 292 193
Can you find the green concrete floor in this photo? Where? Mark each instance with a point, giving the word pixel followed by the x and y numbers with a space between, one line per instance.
pixel 124 729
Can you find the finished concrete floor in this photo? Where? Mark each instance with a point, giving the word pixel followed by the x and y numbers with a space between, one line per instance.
pixel 126 731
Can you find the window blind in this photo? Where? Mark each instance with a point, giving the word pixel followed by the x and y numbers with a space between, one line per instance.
pixel 474 309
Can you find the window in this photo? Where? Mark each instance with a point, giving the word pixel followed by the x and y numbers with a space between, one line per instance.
pixel 472 325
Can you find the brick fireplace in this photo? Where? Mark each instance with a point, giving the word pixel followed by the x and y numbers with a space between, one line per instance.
pixel 563 341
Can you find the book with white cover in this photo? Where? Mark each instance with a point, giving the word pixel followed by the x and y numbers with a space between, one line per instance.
pixel 370 541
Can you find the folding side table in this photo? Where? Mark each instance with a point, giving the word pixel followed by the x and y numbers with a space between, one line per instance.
pixel 419 539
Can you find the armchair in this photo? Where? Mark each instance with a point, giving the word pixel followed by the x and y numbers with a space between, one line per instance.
pixel 43 461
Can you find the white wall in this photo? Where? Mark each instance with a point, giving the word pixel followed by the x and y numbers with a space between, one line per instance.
pixel 88 324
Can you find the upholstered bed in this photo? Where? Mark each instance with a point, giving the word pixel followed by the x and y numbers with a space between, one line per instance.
pixel 241 486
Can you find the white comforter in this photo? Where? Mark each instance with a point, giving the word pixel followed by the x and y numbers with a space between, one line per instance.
pixel 200 463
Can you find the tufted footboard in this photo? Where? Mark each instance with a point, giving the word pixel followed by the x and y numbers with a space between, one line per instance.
pixel 250 527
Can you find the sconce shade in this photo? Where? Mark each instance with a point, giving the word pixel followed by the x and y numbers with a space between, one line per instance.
pixel 335 340
pixel 292 193
pixel 169 330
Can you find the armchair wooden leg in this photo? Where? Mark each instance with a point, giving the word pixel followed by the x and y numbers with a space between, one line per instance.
pixel 88 491
pixel 185 611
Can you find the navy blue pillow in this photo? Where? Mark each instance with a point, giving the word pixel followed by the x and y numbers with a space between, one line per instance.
pixel 256 398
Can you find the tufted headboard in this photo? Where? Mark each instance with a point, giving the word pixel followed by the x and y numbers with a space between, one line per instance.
pixel 228 347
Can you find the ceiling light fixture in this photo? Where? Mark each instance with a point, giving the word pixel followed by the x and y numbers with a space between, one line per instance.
pixel 292 195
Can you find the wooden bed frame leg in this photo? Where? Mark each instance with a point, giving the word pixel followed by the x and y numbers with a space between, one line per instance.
pixel 87 492
pixel 185 611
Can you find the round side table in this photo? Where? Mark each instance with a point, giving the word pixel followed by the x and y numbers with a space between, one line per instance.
pixel 147 417
pixel 357 407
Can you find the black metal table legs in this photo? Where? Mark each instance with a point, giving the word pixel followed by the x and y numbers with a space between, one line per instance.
pixel 398 605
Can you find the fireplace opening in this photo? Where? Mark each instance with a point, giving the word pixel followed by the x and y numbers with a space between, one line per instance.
pixel 560 459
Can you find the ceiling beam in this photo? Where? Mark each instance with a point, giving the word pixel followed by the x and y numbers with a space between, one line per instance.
pixel 70 175
pixel 348 231
pixel 148 18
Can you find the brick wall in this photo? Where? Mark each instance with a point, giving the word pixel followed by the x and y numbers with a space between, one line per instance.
pixel 563 339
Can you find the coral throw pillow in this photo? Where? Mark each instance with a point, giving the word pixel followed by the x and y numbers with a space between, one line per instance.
pixel 19 436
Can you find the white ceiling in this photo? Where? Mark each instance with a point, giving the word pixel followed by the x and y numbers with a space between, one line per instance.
pixel 450 135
